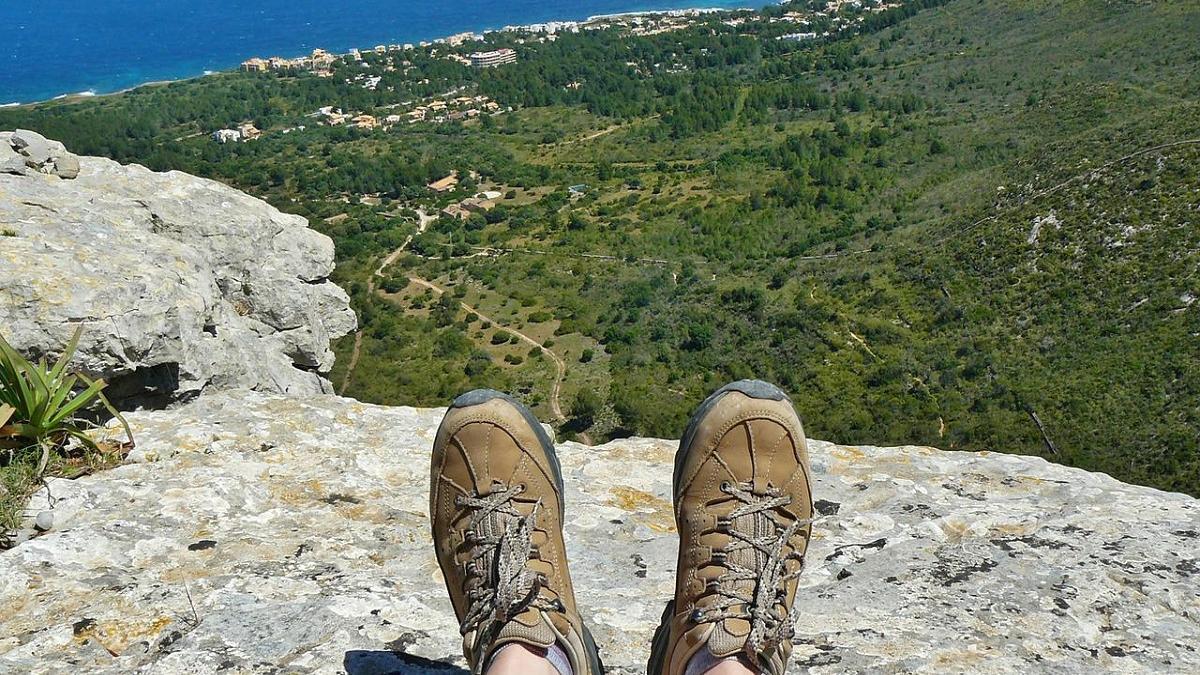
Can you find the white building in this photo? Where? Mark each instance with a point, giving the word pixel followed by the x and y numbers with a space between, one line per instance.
pixel 493 58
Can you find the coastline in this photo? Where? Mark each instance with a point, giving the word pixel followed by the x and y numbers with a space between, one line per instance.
pixel 737 5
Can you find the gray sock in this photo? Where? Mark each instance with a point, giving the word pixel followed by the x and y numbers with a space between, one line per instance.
pixel 558 658
pixel 703 660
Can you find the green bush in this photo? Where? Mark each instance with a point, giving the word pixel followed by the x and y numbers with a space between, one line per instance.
pixel 38 407
pixel 38 404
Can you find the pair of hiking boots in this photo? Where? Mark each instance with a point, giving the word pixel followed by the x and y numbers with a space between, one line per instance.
pixel 743 509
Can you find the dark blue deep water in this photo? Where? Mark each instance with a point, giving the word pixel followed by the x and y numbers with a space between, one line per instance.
pixel 54 47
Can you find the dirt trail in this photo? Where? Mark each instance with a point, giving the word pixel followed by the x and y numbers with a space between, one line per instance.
pixel 423 221
pixel 560 367
pixel 604 132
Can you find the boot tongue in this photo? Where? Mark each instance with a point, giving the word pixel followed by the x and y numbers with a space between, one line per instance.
pixel 728 637
pixel 531 627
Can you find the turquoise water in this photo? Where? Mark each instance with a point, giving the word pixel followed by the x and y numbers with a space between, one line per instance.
pixel 55 47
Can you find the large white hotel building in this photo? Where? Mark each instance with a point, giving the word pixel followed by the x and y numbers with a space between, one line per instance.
pixel 493 58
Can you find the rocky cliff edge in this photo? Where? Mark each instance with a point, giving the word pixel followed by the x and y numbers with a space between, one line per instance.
pixel 261 533
pixel 180 283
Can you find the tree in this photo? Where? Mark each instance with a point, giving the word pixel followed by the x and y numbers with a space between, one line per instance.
pixel 584 409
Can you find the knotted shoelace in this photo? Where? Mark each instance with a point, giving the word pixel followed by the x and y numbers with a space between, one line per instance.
pixel 500 584
pixel 766 608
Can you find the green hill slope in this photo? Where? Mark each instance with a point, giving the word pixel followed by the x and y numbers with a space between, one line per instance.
pixel 970 224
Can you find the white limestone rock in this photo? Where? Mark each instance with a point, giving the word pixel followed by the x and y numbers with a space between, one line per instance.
pixel 258 533
pixel 180 283
pixel 23 151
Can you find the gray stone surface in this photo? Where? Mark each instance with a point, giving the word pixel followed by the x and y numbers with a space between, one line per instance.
pixel 14 165
pixel 30 143
pixel 22 151
pixel 260 533
pixel 180 283
pixel 44 520
pixel 33 145
pixel 66 166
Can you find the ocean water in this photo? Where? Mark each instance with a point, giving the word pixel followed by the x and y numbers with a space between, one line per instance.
pixel 55 47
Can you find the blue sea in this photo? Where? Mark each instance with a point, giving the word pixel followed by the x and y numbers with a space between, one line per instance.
pixel 56 47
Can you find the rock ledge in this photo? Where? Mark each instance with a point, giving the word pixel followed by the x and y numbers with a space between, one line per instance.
pixel 259 533
pixel 181 283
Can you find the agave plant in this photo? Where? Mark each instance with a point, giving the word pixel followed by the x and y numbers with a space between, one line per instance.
pixel 38 404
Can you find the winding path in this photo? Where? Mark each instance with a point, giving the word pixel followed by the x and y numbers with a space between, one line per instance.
pixel 423 221
pixel 560 367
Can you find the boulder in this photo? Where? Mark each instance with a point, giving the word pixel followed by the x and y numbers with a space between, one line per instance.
pixel 31 150
pixel 14 165
pixel 29 142
pixel 181 284
pixel 66 166
pixel 33 146
pixel 257 532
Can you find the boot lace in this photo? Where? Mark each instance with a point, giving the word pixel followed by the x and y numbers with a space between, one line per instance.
pixel 500 584
pixel 754 527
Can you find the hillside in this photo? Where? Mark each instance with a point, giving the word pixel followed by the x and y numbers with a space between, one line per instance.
pixel 259 533
pixel 969 224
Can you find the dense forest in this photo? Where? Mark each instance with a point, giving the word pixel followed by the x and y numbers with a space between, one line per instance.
pixel 968 224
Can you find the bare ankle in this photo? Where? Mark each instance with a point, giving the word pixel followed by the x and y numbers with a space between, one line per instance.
pixel 730 667
pixel 704 663
pixel 519 659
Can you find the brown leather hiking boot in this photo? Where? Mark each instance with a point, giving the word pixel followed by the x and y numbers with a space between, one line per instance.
pixel 496 509
pixel 743 507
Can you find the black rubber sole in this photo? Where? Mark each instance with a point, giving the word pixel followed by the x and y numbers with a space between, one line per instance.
pixel 593 653
pixel 658 644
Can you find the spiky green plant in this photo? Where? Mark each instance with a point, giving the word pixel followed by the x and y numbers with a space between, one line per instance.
pixel 38 404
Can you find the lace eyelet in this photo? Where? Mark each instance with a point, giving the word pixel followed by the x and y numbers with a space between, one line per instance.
pixel 726 486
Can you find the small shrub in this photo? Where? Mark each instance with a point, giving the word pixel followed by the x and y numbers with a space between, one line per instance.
pixel 514 359
pixel 38 404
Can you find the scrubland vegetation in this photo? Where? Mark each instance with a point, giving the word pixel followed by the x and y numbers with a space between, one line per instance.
pixel 969 224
